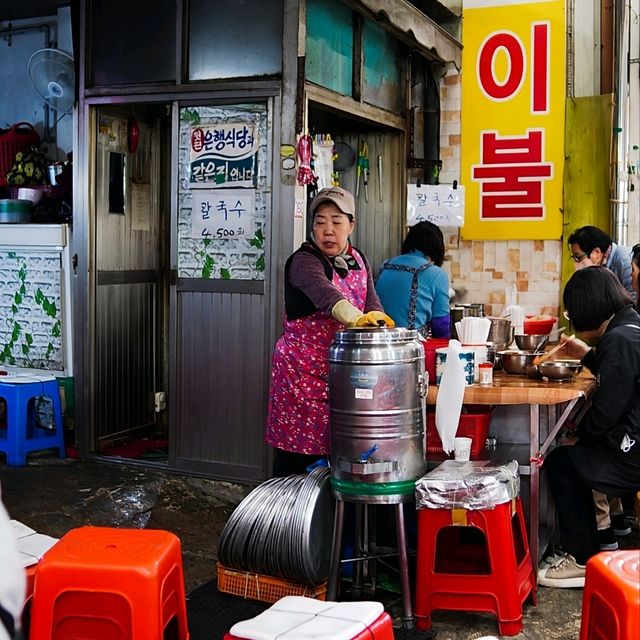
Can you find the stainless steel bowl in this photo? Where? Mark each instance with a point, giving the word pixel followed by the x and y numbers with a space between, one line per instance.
pixel 532 342
pixel 500 333
pixel 560 369
pixel 516 362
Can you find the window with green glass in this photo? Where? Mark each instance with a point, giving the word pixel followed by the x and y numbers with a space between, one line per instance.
pixel 330 45
pixel 381 84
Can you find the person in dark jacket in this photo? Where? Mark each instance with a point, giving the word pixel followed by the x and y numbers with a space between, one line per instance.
pixel 635 272
pixel 606 455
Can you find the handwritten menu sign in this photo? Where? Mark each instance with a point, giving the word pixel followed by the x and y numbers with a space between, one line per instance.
pixel 223 155
pixel 441 204
pixel 223 213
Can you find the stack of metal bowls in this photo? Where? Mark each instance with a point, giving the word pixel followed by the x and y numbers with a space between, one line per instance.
pixel 283 528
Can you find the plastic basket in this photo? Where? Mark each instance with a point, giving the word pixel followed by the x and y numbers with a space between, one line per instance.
pixel 16 138
pixel 264 588
pixel 471 425
pixel 430 347
pixel 538 327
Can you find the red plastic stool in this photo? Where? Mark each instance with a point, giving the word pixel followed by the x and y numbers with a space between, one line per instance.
pixel 474 561
pixel 296 617
pixel 611 598
pixel 99 583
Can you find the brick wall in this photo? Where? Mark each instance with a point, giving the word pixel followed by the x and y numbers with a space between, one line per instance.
pixel 482 271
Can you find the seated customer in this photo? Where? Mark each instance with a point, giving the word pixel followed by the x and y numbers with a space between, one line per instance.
pixel 606 455
pixel 591 246
pixel 412 287
pixel 635 272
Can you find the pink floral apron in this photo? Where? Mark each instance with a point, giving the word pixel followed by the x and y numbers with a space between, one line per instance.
pixel 298 418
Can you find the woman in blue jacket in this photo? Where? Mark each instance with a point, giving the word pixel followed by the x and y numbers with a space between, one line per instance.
pixel 413 288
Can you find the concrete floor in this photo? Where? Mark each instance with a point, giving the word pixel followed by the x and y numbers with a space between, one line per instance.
pixel 53 496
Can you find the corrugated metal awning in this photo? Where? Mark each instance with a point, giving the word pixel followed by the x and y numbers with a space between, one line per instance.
pixel 414 28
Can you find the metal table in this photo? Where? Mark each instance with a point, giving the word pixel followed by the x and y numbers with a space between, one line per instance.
pixel 563 401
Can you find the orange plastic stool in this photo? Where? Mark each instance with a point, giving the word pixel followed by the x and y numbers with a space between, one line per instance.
pixel 99 583
pixel 611 598
pixel 295 616
pixel 474 560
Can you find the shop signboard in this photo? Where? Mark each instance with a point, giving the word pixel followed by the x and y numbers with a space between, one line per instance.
pixel 442 204
pixel 512 119
pixel 223 154
pixel 223 213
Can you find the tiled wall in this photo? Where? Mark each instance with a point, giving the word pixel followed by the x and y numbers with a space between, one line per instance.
pixel 482 271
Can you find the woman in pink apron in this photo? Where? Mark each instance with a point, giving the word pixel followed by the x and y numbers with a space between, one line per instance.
pixel 328 286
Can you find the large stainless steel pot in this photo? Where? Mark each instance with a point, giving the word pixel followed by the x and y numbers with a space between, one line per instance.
pixel 377 383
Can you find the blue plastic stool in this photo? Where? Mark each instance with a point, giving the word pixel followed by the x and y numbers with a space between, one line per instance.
pixel 22 434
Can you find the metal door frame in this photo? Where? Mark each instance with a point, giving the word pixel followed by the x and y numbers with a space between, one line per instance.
pixel 274 249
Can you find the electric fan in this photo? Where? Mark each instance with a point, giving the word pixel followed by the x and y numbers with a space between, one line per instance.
pixel 53 76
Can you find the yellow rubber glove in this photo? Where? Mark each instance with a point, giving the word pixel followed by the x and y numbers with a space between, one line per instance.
pixel 372 318
pixel 346 313
pixel 381 315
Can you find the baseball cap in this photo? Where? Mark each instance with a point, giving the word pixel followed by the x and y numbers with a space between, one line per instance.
pixel 339 196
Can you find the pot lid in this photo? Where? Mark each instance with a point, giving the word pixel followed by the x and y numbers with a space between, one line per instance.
pixel 375 335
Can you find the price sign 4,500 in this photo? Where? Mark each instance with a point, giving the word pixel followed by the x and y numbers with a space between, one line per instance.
pixel 221 232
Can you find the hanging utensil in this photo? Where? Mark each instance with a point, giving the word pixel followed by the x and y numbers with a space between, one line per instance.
pixel 344 156
pixel 380 176
pixel 363 170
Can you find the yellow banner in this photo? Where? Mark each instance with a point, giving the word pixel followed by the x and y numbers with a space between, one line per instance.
pixel 513 101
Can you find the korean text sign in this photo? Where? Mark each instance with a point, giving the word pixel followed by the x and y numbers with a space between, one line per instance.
pixel 513 102
pixel 441 204
pixel 223 213
pixel 223 154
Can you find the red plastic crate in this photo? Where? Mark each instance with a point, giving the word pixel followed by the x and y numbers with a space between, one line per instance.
pixel 471 425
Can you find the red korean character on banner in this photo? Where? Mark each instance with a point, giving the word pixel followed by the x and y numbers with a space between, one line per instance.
pixel 508 43
pixel 512 175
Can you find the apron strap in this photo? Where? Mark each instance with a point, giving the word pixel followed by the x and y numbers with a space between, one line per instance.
pixel 413 294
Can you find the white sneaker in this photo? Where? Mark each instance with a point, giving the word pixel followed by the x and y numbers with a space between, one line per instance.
pixel 563 573
pixel 549 560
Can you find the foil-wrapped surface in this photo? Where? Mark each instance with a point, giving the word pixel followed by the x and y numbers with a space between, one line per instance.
pixel 468 485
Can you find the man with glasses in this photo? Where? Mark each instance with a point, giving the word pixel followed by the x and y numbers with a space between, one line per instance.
pixel 591 246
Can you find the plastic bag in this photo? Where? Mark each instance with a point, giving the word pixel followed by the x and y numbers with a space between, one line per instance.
pixel 450 396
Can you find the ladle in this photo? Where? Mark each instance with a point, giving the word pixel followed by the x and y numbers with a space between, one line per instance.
pixel 542 343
